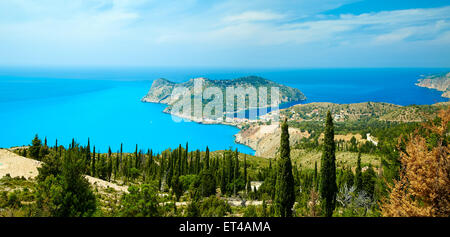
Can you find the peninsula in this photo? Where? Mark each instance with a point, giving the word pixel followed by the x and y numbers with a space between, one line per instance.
pixel 162 90
pixel 437 82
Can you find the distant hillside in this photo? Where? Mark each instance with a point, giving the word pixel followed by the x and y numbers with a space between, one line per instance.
pixel 362 111
pixel 161 89
pixel 306 122
pixel 437 82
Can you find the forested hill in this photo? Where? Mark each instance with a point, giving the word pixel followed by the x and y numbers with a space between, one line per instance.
pixel 161 89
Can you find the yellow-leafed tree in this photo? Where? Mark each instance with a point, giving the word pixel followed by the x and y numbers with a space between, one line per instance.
pixel 423 188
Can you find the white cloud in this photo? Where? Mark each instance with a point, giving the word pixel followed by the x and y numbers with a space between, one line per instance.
pixel 250 16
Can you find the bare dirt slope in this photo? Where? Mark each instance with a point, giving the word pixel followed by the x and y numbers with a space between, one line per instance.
pixel 15 165
pixel 265 139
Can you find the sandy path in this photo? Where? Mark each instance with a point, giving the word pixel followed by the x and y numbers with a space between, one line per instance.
pixel 15 165
pixel 105 184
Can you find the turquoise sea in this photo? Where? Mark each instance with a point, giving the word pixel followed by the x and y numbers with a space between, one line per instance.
pixel 103 104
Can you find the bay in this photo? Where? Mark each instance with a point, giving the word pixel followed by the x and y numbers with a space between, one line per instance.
pixel 103 104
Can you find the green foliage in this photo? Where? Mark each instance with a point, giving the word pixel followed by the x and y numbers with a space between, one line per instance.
pixel 250 211
pixel 141 201
pixel 177 188
pixel 212 207
pixel 52 165
pixel 369 178
pixel 207 183
pixel 68 194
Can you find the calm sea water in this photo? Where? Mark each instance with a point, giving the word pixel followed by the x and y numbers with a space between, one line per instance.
pixel 104 104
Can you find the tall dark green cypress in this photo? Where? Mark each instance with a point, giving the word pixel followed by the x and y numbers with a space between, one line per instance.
pixel 186 157
pixel 236 170
pixel 245 169
pixel 284 187
pixel 315 181
pixel 236 165
pixel 93 164
pixel 358 176
pixel 121 152
pixel 109 165
pixel 88 155
pixel 207 158
pixel 197 162
pixel 328 187
pixel 136 158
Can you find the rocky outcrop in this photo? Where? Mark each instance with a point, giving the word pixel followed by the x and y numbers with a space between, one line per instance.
pixel 159 92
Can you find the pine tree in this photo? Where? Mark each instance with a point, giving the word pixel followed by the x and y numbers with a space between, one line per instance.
pixel 328 187
pixel 35 148
pixel 284 188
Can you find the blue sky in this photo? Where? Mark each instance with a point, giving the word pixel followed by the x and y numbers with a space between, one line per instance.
pixel 235 33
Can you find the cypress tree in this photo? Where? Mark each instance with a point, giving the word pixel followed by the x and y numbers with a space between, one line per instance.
pixel 186 164
pixel 230 167
pixel 116 165
pixel 197 161
pixel 93 164
pixel 223 182
pixel 315 180
pixel 245 169
pixel 136 157
pixel 88 155
pixel 249 186
pixel 328 187
pixel 236 165
pixel 284 188
pixel 358 176
pixel 121 152
pixel 207 158
pixel 109 165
